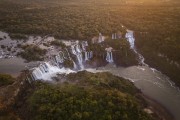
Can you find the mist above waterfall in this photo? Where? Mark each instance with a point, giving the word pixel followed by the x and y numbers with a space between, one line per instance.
pixel 46 71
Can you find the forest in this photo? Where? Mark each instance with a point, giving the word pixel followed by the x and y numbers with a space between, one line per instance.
pixel 83 96
pixel 156 24
pixel 6 79
pixel 32 53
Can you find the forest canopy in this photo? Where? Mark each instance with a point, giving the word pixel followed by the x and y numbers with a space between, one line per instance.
pixel 85 96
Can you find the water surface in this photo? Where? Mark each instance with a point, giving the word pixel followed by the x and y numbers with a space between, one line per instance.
pixel 153 84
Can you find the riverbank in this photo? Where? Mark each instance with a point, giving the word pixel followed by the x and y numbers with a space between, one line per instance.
pixel 17 91
pixel 152 83
pixel 157 109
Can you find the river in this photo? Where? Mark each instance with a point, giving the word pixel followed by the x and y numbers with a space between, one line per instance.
pixel 151 82
pixel 14 65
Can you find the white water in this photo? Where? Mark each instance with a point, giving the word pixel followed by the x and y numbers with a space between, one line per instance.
pixel 109 57
pixel 84 45
pixel 130 38
pixel 76 50
pixel 88 55
pixel 101 38
pixel 74 64
pixel 115 36
pixel 151 82
pixel 46 71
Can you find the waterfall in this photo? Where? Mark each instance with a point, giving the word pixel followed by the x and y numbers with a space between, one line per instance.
pixel 91 54
pixel 46 71
pixel 130 38
pixel 109 57
pixel 62 57
pixel 101 38
pixel 84 45
pixel 73 49
pixel 88 55
pixel 43 69
pixel 76 50
pixel 114 36
pixel 80 60
pixel 74 64
pixel 37 74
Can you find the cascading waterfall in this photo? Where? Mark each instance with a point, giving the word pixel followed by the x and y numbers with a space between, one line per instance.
pixel 130 38
pixel 109 57
pixel 84 45
pixel 76 50
pixel 36 73
pixel 91 54
pixel 73 49
pixel 60 57
pixel 46 71
pixel 80 60
pixel 74 64
pixel 88 55
pixel 39 71
pixel 101 38
pixel 114 36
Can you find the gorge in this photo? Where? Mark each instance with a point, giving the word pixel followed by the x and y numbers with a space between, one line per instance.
pixel 150 81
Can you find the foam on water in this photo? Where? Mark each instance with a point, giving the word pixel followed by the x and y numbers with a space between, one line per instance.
pixel 49 71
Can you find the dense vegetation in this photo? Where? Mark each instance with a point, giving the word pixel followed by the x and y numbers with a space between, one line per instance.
pixel 32 53
pixel 84 96
pixel 18 36
pixel 58 43
pixel 122 54
pixel 6 79
pixel 156 24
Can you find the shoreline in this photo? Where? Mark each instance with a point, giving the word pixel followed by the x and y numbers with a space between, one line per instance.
pixel 158 109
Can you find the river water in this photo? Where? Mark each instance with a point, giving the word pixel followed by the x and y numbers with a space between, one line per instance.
pixel 151 82
pixel 12 66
